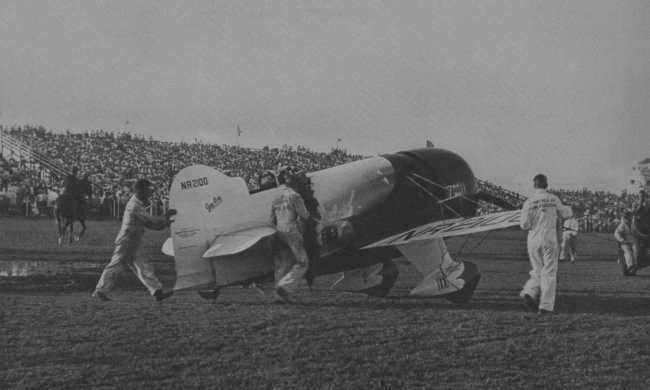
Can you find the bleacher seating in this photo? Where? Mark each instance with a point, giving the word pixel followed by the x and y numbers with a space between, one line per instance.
pixel 114 160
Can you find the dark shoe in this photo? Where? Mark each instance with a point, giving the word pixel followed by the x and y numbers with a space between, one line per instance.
pixel 530 303
pixel 310 281
pixel 630 271
pixel 544 312
pixel 159 295
pixel 210 295
pixel 101 296
pixel 281 295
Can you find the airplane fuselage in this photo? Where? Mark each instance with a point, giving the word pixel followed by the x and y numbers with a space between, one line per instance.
pixel 388 194
pixel 356 203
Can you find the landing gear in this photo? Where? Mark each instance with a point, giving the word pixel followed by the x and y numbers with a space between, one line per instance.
pixel 471 276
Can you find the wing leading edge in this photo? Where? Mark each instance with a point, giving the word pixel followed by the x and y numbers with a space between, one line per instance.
pixel 452 227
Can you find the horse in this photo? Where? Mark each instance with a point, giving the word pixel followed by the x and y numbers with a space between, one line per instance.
pixel 67 210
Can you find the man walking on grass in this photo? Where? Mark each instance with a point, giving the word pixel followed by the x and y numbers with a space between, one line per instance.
pixel 539 216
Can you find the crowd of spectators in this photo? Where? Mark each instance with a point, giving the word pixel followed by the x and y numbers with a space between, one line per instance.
pixel 114 161
pixel 597 211
pixel 30 188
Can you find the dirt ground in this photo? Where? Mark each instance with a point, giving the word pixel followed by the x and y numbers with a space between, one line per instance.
pixel 53 335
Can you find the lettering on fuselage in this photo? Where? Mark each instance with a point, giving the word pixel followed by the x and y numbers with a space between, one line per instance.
pixel 194 183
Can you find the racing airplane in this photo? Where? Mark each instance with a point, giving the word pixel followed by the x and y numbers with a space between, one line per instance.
pixel 371 212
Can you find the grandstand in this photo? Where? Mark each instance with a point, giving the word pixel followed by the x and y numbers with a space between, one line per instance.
pixel 499 197
pixel 22 154
pixel 34 160
pixel 115 158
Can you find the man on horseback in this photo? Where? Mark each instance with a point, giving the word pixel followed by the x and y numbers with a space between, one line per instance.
pixel 84 194
pixel 71 183
pixel 70 206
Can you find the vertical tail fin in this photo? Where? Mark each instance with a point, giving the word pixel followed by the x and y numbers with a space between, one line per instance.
pixel 207 202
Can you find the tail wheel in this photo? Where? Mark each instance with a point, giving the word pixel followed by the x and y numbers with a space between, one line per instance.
pixel 389 273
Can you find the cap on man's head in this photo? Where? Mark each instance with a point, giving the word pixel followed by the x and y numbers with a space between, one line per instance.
pixel 142 184
pixel 540 181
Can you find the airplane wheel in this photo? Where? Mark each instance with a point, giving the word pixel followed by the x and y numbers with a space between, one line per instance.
pixel 210 295
pixel 472 276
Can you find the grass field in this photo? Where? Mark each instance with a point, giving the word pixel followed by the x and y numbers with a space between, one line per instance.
pixel 53 335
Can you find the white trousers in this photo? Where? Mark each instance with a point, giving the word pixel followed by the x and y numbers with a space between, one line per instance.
pixel 568 246
pixel 296 264
pixel 543 274
pixel 630 252
pixel 124 255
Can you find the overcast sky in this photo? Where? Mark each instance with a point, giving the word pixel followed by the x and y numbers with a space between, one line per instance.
pixel 516 87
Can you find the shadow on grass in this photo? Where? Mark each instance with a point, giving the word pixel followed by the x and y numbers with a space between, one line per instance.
pixel 565 304
pixel 604 304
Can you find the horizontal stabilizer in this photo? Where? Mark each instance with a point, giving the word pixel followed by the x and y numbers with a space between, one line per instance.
pixel 233 243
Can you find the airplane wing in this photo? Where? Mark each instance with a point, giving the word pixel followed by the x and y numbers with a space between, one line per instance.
pixel 232 243
pixel 450 228
pixel 425 248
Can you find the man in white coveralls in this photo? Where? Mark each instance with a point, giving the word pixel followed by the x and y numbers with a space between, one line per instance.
pixel 539 216
pixel 624 234
pixel 570 230
pixel 288 215
pixel 128 241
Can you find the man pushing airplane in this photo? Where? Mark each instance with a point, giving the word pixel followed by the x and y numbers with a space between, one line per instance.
pixel 128 240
